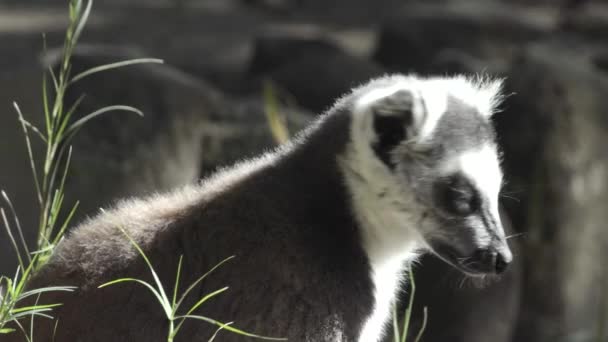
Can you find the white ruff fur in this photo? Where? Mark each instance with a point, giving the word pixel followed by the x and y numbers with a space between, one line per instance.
pixel 389 238
pixel 388 214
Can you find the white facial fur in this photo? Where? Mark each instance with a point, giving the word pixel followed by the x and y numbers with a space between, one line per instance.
pixel 390 216
pixel 482 167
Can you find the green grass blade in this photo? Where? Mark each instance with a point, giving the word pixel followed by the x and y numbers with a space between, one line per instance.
pixel 34 129
pixel 205 298
pixel 193 285
pixel 17 224
pixel 40 313
pixel 81 20
pixel 46 289
pixel 45 97
pixel 27 338
pixel 43 250
pixel 218 331
pixel 20 283
pixel 35 308
pixel 396 334
pixel 277 122
pixel 176 285
pixel 54 79
pixel 165 301
pixel 423 327
pixel 158 296
pixel 66 167
pixel 30 154
pixel 12 238
pixel 65 224
pixel 198 304
pixel 76 125
pixel 111 66
pixel 65 120
pixel 230 328
pixel 408 311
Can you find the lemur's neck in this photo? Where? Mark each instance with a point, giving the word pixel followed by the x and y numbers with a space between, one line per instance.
pixel 388 235
pixel 355 189
pixel 387 215
pixel 333 158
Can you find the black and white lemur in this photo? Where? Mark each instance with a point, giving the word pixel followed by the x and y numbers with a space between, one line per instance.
pixel 322 227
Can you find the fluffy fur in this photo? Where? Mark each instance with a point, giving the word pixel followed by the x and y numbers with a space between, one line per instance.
pixel 321 228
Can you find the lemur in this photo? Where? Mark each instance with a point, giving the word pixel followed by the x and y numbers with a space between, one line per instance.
pixel 321 228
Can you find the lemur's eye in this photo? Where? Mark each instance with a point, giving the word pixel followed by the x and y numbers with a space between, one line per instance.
pixel 456 196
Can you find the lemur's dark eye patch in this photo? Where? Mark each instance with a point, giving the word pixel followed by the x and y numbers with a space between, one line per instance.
pixel 456 196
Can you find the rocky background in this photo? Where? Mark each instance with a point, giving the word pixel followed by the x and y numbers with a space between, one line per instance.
pixel 204 108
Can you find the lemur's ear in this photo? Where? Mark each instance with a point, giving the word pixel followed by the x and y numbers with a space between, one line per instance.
pixel 392 120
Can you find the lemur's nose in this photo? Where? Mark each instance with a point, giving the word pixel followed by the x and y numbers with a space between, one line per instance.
pixel 501 263
pixel 491 260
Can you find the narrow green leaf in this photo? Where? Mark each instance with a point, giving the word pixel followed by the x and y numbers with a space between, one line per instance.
pixel 423 327
pixel 410 306
pixel 17 224
pixel 150 287
pixel 82 20
pixel 54 79
pixel 218 331
pixel 199 303
pixel 29 151
pixel 76 125
pixel 276 120
pixel 11 237
pixel 26 314
pixel 35 308
pixel 6 330
pixel 46 289
pixel 65 120
pixel 205 298
pixel 232 329
pixel 115 65
pixel 34 129
pixel 159 286
pixel 396 333
pixel 66 223
pixel 193 285
pixel 176 285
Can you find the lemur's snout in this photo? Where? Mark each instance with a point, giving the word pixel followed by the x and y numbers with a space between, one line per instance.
pixel 490 260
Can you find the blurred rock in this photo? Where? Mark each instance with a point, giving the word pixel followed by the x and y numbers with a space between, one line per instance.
pixel 590 21
pixel 562 169
pixel 120 154
pixel 188 129
pixel 244 132
pixel 314 71
pixel 414 37
pixel 17 84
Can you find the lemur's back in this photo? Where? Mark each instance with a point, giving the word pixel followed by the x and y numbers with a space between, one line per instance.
pixel 298 262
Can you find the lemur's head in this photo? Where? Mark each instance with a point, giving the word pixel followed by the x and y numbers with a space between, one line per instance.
pixel 432 155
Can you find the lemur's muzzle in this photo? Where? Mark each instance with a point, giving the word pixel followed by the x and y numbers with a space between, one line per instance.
pixel 488 260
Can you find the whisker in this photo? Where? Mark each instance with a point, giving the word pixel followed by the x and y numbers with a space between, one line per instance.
pixel 462 282
pixel 510 197
pixel 514 235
